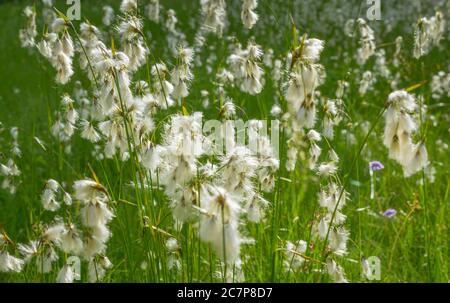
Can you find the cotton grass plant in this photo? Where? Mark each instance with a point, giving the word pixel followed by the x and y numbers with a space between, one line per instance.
pixel 136 188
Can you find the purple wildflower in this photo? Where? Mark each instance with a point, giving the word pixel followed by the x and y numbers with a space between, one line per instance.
pixel 376 165
pixel 390 213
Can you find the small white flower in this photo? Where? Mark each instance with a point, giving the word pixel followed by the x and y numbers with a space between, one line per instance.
pixel 327 169
pixel 86 190
pixel 172 245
